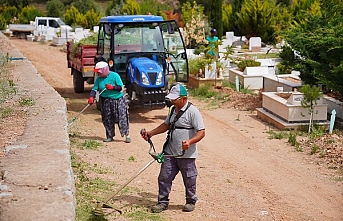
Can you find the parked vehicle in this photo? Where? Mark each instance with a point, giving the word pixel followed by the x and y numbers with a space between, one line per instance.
pixel 40 23
pixel 81 61
pixel 143 49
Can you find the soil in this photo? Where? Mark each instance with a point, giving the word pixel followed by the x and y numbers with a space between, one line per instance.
pixel 284 95
pixel 243 175
pixel 294 80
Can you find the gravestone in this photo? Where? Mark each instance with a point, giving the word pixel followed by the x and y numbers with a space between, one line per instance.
pixel 50 33
pixel 78 34
pixel 255 44
pixel 229 37
pixel 210 71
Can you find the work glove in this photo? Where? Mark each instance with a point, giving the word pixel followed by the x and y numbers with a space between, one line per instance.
pixel 91 97
pixel 115 88
pixel 90 100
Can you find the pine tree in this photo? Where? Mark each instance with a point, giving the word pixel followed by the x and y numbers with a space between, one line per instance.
pixel 216 16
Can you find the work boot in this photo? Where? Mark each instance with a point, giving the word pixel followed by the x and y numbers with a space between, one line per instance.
pixel 159 208
pixel 189 207
pixel 128 139
pixel 110 139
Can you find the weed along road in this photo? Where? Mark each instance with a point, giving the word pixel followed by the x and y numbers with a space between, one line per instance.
pixel 243 175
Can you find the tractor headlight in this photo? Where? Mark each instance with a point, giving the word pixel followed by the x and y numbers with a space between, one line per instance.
pixel 159 78
pixel 145 79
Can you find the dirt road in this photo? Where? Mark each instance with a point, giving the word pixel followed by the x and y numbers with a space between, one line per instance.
pixel 243 175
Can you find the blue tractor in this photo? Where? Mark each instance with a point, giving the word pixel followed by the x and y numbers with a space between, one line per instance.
pixel 145 51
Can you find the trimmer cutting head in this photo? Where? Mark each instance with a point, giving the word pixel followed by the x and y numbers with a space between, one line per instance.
pixel 98 210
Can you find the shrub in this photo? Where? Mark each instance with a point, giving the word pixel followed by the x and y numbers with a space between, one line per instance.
pixel 247 63
pixel 29 13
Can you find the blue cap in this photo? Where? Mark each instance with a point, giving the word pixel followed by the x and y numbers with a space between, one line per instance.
pixel 213 30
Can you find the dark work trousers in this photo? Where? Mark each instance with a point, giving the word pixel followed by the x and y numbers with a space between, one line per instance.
pixel 169 169
pixel 115 111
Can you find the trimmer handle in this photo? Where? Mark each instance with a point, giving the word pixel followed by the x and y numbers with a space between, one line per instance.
pixel 144 131
pixel 159 157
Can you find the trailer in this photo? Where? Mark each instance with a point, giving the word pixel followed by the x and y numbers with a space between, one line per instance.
pixel 144 50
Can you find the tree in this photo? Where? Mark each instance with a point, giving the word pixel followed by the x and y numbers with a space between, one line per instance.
pixel 115 7
pixel 84 5
pixel 283 2
pixel 19 4
pixel 71 15
pixel 318 43
pixel 153 7
pixel 258 18
pixel 236 8
pixel 311 95
pixel 227 12
pixel 298 9
pixel 92 19
pixel 170 15
pixel 131 8
pixel 29 13
pixel 55 8
pixel 204 3
pixel 193 18
pixel 216 16
pixel 8 13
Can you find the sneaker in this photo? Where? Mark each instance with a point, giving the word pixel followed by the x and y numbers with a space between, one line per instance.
pixel 128 139
pixel 159 208
pixel 108 139
pixel 189 207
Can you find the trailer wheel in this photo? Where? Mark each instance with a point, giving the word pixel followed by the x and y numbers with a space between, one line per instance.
pixel 78 81
pixel 22 35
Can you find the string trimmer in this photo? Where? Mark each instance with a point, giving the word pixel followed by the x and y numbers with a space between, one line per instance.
pixel 159 157
pixel 74 119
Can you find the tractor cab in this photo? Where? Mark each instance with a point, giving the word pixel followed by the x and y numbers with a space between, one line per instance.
pixel 145 51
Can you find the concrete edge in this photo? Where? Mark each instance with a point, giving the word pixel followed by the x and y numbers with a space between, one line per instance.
pixel 61 194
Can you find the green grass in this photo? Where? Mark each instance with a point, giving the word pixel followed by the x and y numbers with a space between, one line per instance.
pixel 87 189
pixel 5 112
pixel 246 90
pixel 92 187
pixel 277 135
pixel 314 149
pixel 317 131
pixel 292 139
pixel 132 159
pixel 227 83
pixel 83 145
pixel 7 87
pixel 90 144
pixel 204 91
pixel 140 215
pixel 24 101
pixel 338 179
pixel 208 94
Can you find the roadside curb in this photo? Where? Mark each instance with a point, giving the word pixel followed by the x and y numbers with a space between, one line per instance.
pixel 38 181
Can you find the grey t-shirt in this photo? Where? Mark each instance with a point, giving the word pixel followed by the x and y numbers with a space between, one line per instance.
pixel 191 118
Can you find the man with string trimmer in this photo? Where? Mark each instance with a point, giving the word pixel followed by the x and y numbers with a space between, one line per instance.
pixel 185 128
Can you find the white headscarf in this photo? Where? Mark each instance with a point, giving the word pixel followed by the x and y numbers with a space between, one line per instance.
pixel 102 68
